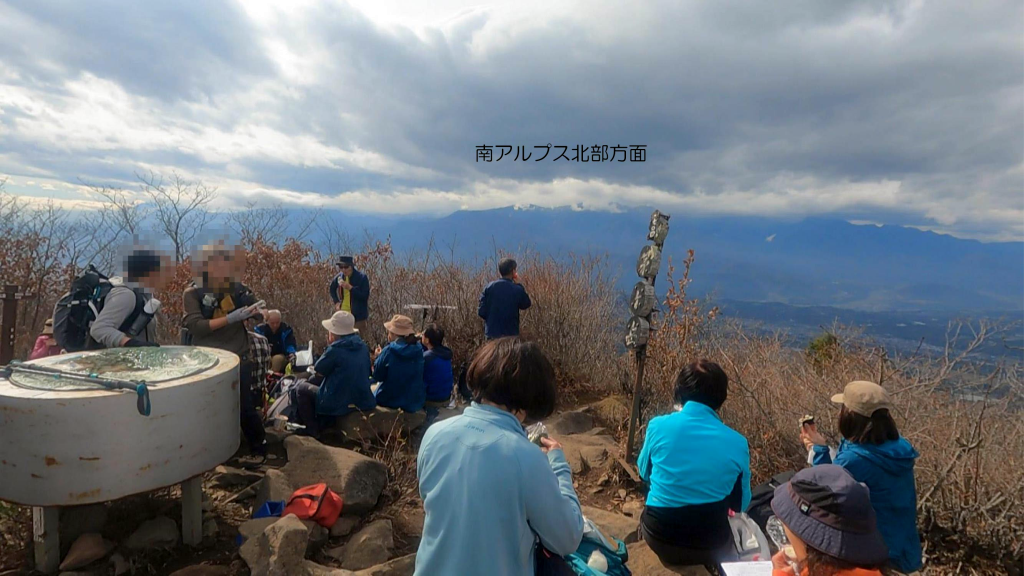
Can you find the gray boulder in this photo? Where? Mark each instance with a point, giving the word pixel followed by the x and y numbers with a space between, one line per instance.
pixel 203 570
pixel 253 528
pixel 378 423
pixel 86 549
pixel 274 486
pixel 403 566
pixel 357 478
pixel 572 422
pixel 613 525
pixel 370 546
pixel 279 550
pixel 160 532
pixel 344 526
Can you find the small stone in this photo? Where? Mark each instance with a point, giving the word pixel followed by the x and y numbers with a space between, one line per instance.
pixel 210 529
pixel 253 528
pixel 344 526
pixel 634 508
pixel 629 498
pixel 160 532
pixel 275 486
pixel 317 535
pixel 86 549
pixel 622 493
pixel 603 479
pixel 78 520
pixel 596 490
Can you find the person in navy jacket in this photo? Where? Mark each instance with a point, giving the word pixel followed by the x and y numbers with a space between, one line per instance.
pixel 350 292
pixel 501 302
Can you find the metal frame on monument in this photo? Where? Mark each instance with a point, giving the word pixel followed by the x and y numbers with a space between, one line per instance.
pixel 642 305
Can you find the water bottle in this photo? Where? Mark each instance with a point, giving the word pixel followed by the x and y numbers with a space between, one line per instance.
pixel 148 311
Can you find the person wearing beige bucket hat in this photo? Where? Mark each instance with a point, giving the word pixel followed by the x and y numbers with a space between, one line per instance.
pixel 341 380
pixel 398 367
pixel 875 454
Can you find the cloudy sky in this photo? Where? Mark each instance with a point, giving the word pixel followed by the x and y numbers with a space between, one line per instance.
pixel 902 112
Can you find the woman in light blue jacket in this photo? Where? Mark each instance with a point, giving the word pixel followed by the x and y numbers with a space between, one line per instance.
pixel 488 492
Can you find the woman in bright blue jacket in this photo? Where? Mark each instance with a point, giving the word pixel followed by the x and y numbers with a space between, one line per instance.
pixel 399 368
pixel 489 493
pixel 698 469
pixel 874 453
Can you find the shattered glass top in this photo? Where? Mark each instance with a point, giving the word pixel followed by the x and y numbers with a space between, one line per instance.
pixel 151 365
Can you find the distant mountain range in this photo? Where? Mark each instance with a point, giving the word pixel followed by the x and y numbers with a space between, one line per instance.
pixel 810 262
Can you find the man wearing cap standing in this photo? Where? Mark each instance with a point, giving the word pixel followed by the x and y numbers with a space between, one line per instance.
pixel 350 292
pixel 341 383
pixel 873 451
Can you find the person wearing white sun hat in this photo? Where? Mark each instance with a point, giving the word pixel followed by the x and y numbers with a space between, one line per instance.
pixel 341 383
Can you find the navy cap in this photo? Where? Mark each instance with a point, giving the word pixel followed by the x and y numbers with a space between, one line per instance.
pixel 831 512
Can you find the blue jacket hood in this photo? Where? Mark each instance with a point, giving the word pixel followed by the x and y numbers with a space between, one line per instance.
pixel 895 457
pixel 402 349
pixel 349 342
pixel 442 352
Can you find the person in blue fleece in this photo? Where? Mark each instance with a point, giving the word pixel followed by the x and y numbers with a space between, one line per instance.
pixel 698 469
pixel 489 493
pixel 437 371
pixel 399 368
pixel 341 383
pixel 874 453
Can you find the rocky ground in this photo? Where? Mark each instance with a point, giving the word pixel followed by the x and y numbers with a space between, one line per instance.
pixel 368 463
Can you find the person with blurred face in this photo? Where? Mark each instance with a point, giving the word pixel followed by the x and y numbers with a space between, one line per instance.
pixel 281 338
pixel 145 273
pixel 350 292
pixel 216 308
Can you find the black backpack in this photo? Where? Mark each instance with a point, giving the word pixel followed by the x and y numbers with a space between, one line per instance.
pixel 760 509
pixel 75 311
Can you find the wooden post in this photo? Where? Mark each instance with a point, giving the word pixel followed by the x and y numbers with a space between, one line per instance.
pixel 46 538
pixel 192 511
pixel 634 415
pixel 10 320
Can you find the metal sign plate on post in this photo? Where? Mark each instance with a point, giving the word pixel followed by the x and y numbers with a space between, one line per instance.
pixel 9 321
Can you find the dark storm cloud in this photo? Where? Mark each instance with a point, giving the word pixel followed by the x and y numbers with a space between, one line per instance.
pixel 905 111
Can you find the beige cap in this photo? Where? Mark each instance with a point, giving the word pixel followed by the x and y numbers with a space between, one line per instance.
pixel 863 397
pixel 341 324
pixel 400 325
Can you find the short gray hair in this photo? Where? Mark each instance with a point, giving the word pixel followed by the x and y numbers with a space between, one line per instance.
pixel 272 313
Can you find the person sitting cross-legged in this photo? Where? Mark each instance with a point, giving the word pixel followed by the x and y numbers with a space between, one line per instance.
pixel 341 383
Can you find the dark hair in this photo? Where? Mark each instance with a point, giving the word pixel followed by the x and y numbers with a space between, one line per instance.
pixel 434 334
pixel 878 429
pixel 409 338
pixel 820 564
pixel 141 263
pixel 513 374
pixel 702 381
pixel 506 267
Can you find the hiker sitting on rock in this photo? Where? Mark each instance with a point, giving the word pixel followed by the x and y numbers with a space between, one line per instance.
pixel 282 341
pixel 698 469
pixel 343 374
pixel 873 451
pixel 488 492
pixel 398 368
pixel 830 526
pixel 437 372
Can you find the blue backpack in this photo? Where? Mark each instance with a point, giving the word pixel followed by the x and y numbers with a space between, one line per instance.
pixel 616 560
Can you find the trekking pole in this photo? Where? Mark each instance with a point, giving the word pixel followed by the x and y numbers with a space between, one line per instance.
pixel 143 404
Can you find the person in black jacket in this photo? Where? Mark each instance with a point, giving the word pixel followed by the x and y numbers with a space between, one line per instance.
pixel 281 338
pixel 501 302
pixel 350 291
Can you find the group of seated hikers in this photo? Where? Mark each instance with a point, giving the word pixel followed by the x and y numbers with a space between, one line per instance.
pixel 856 517
pixel 852 513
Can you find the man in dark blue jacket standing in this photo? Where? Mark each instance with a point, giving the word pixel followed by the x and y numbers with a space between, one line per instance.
pixel 350 291
pixel 501 302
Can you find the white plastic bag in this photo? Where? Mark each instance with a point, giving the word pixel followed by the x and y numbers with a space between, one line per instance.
pixel 305 357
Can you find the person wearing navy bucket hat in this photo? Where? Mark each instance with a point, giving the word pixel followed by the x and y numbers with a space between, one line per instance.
pixel 830 525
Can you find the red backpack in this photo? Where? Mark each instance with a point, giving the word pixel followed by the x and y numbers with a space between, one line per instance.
pixel 317 503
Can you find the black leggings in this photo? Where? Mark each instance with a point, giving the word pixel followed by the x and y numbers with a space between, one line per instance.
pixel 252 422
